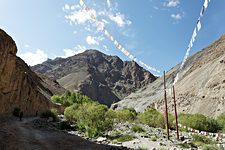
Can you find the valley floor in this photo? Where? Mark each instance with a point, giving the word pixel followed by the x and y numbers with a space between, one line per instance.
pixel 22 135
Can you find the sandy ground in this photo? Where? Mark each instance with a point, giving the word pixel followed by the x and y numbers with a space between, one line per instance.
pixel 21 135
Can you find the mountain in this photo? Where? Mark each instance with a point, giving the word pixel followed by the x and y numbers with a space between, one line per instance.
pixel 19 86
pixel 200 88
pixel 101 77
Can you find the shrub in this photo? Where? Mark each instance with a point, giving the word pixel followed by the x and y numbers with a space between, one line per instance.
pixel 70 98
pixel 50 113
pixel 16 112
pixel 153 138
pixel 126 114
pixel 152 118
pixel 90 118
pixel 137 128
pixel 221 122
pixel 199 122
pixel 202 139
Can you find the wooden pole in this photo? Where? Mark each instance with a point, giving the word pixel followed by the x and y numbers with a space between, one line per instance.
pixel 166 111
pixel 175 111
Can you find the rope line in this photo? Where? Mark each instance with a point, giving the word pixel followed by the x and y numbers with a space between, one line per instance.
pixel 109 36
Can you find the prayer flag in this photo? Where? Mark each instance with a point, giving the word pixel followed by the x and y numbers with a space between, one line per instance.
pixel 81 2
pixel 206 4
pixel 199 25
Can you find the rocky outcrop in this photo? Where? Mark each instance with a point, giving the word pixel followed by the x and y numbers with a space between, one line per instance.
pixel 19 86
pixel 101 77
pixel 200 88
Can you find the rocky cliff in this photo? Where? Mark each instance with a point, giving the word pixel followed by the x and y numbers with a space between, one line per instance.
pixel 19 86
pixel 101 77
pixel 200 89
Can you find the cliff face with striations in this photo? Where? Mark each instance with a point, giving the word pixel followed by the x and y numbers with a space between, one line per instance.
pixel 19 86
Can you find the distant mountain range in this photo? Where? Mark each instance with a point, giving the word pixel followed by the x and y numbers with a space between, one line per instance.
pixel 104 78
pixel 200 89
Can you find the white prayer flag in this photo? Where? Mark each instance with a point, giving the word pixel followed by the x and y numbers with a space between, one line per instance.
pixel 194 35
pixel 206 4
pixel 199 26
pixel 81 2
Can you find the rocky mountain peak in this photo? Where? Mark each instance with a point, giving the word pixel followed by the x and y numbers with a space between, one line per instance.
pixel 102 77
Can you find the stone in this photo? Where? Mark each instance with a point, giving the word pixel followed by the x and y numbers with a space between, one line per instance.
pixel 101 139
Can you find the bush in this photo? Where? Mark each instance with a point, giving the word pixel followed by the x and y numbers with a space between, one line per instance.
pixel 199 122
pixel 50 113
pixel 153 138
pixel 126 114
pixel 152 118
pixel 221 122
pixel 202 139
pixel 70 98
pixel 90 118
pixel 137 128
pixel 16 112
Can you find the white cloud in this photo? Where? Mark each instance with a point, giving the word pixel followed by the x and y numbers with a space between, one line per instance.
pixel 71 52
pixel 67 7
pixel 77 15
pixel 120 20
pixel 177 16
pixel 172 3
pixel 91 40
pixel 35 58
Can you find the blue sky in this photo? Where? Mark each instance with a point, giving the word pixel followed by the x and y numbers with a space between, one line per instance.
pixel 155 31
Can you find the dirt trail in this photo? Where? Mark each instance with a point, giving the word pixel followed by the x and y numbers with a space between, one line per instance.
pixel 21 135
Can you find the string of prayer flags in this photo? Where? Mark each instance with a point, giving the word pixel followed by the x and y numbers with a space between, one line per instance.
pixel 197 28
pixel 107 34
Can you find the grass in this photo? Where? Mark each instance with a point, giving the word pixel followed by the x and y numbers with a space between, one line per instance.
pixel 212 147
pixel 123 138
pixel 202 141
pixel 153 138
pixel 137 129
pixel 184 145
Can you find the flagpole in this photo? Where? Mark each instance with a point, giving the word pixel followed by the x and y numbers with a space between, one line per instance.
pixel 175 111
pixel 166 111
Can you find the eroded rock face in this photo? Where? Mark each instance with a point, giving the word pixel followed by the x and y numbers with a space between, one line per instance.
pixel 104 78
pixel 200 88
pixel 19 86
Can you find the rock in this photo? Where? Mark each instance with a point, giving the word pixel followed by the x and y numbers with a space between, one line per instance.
pixel 101 139
pixel 20 87
pixel 104 78
pixel 187 141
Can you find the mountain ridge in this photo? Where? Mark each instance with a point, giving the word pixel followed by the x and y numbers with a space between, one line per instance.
pixel 101 77
pixel 200 88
